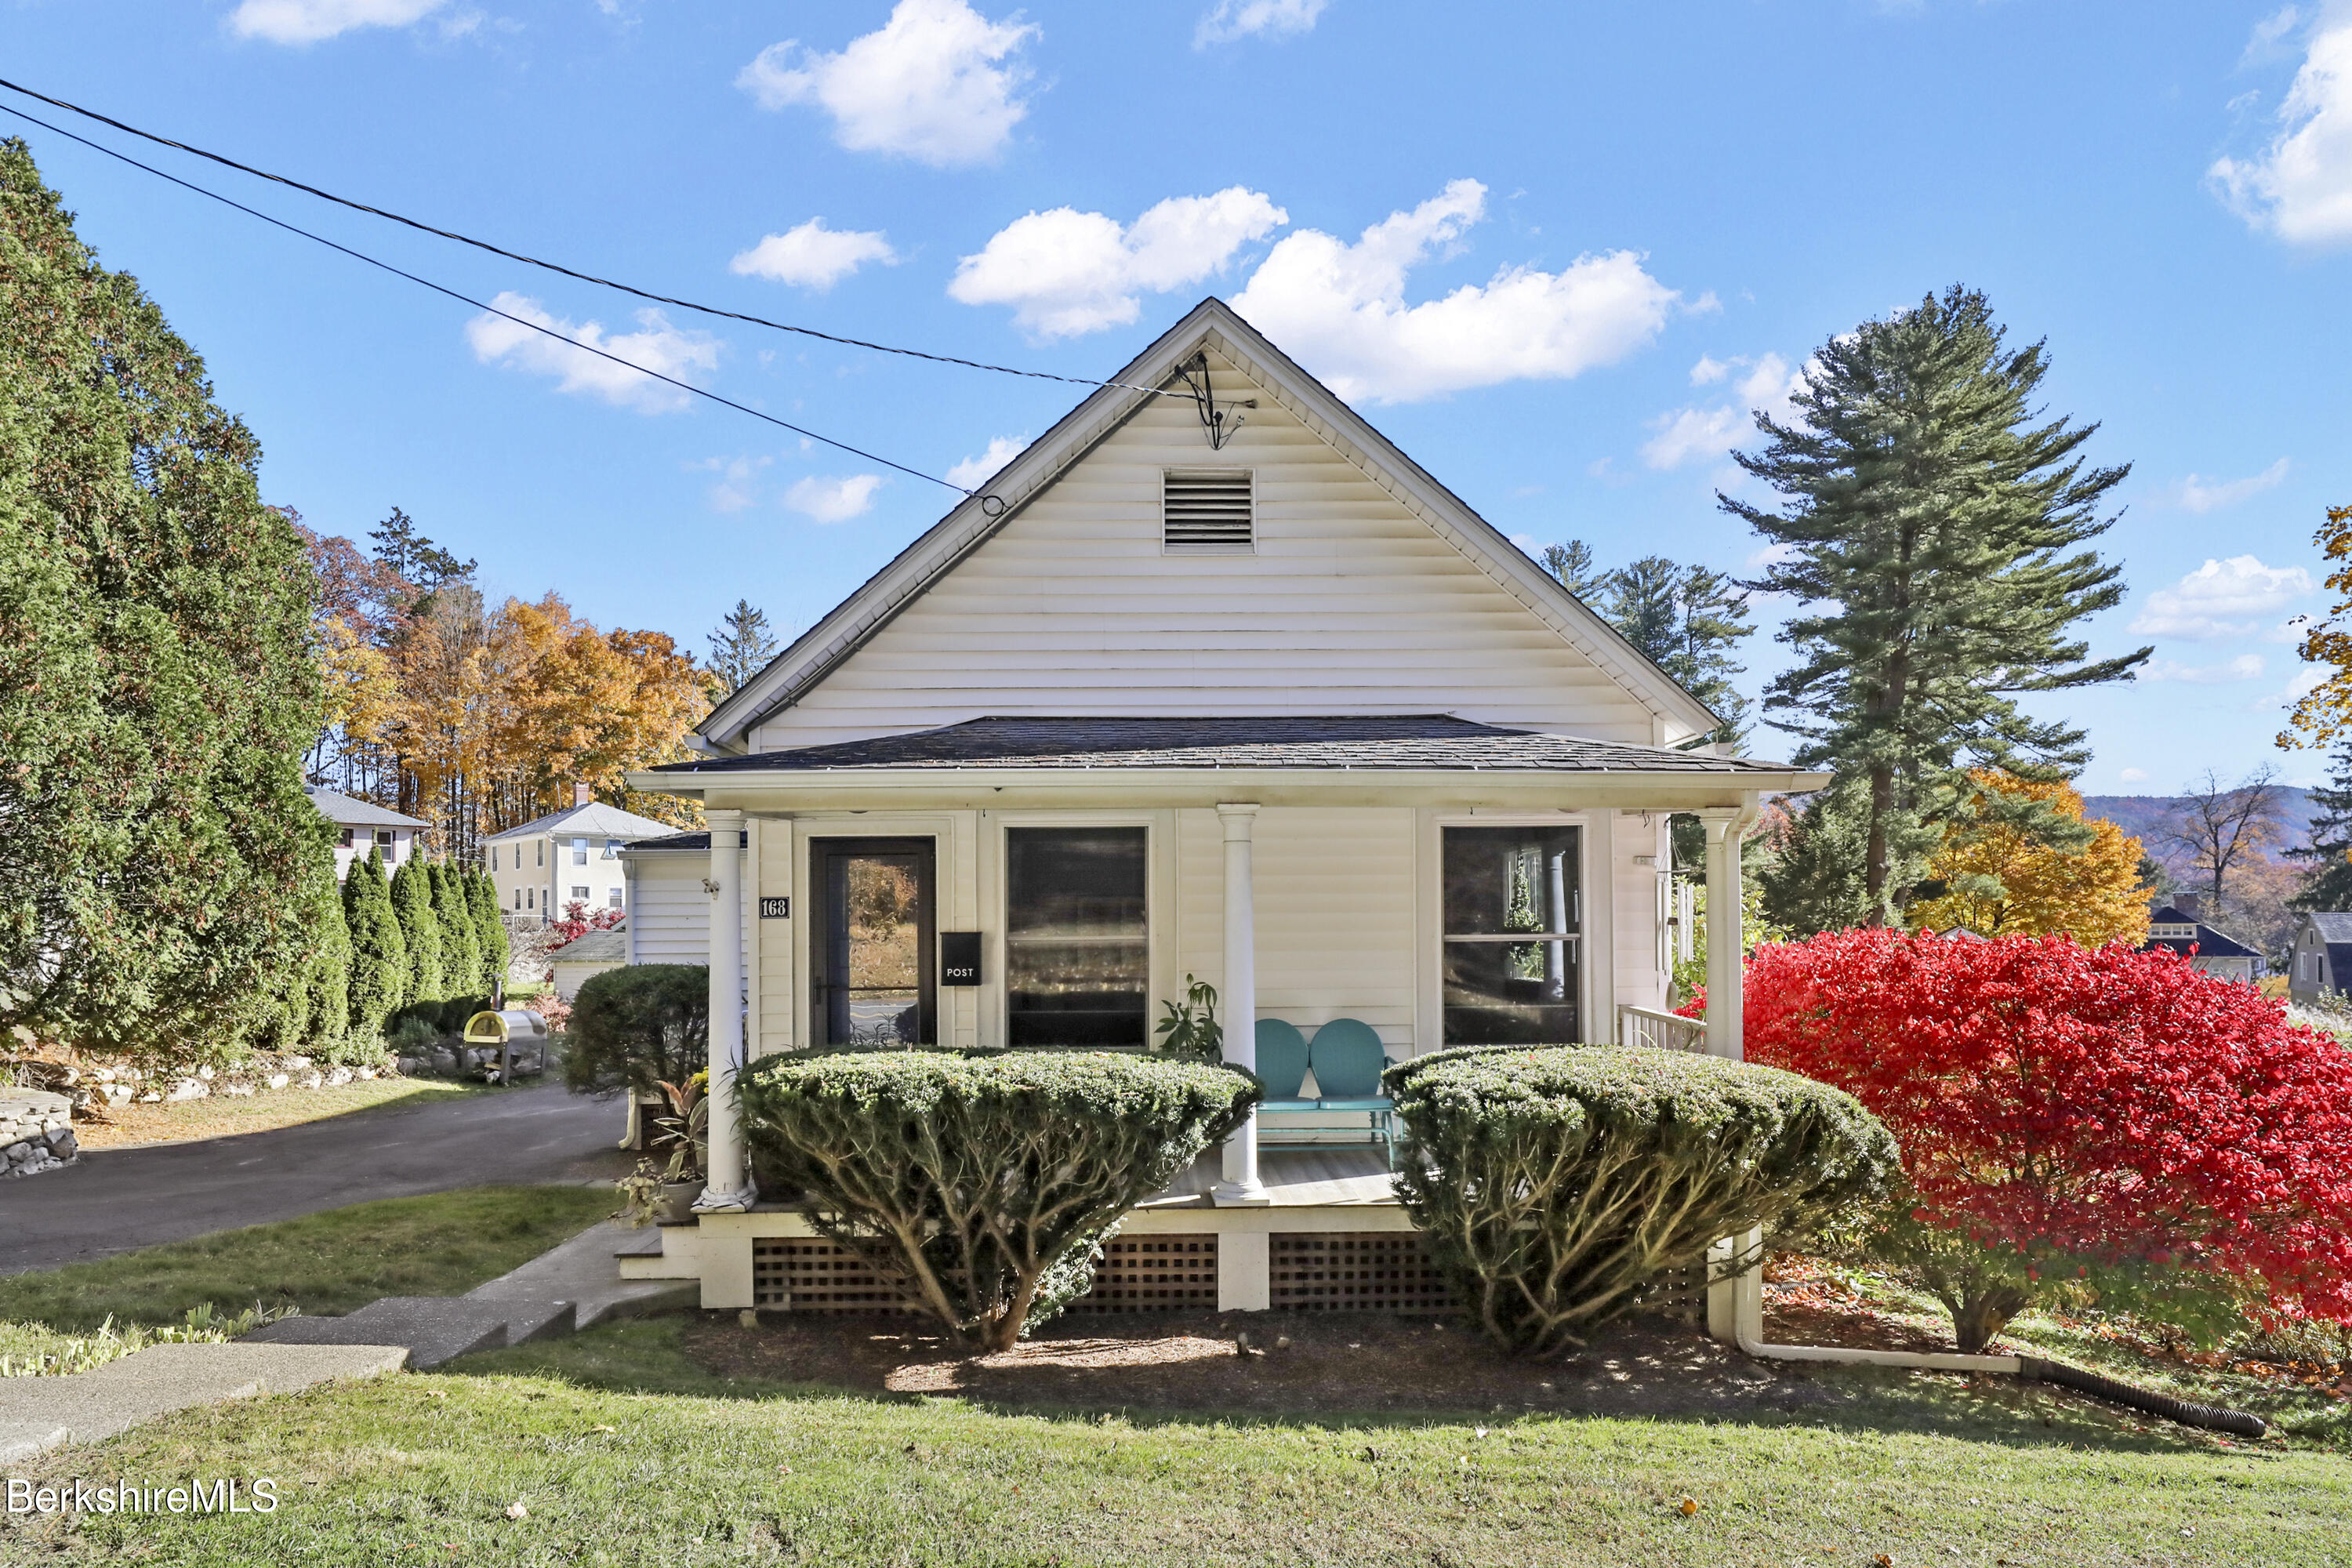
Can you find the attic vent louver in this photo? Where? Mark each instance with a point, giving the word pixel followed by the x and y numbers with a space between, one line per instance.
pixel 1207 513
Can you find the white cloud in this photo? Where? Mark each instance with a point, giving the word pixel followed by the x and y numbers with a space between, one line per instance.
pixel 2300 186
pixel 2261 44
pixel 833 500
pixel 308 21
pixel 2198 494
pixel 1340 309
pixel 736 487
pixel 1239 19
pixel 2245 666
pixel 813 256
pixel 2133 775
pixel 937 82
pixel 2220 599
pixel 658 346
pixel 1688 435
pixel 972 472
pixel 1065 272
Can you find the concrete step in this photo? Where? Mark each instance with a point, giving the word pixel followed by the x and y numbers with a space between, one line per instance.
pixel 435 1329
pixel 646 1243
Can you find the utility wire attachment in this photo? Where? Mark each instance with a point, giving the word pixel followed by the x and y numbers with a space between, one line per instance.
pixel 1205 401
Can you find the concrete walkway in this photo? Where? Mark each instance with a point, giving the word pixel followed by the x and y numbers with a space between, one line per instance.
pixel 114 1200
pixel 40 1413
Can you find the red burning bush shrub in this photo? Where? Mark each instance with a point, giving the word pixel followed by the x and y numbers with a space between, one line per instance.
pixel 2067 1112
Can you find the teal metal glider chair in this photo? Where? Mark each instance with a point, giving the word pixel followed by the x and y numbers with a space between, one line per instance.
pixel 1348 1059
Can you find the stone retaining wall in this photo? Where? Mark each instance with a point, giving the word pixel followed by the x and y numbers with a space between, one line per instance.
pixel 36 1131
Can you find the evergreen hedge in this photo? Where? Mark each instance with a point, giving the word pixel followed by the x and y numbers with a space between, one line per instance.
pixel 412 901
pixel 379 975
pixel 637 1027
pixel 982 1184
pixel 490 926
pixel 461 955
pixel 1555 1183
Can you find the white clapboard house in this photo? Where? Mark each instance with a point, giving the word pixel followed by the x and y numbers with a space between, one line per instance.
pixel 1276 709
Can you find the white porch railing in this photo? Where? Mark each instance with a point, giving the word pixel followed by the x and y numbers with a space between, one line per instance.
pixel 1666 1031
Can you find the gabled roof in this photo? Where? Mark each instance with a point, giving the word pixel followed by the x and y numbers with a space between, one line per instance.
pixel 594 819
pixel 1214 324
pixel 1418 742
pixel 2209 941
pixel 346 811
pixel 607 945
pixel 2332 927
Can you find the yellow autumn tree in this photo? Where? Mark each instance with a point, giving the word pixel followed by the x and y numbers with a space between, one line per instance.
pixel 2008 882
pixel 2324 713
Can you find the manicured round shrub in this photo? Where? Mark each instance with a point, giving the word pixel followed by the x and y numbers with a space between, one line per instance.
pixel 2098 1117
pixel 982 1183
pixel 1555 1183
pixel 638 1027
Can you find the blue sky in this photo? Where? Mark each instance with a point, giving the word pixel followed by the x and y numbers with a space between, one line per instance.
pixel 1554 250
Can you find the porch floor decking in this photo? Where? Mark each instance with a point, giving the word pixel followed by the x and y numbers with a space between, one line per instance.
pixel 1339 1175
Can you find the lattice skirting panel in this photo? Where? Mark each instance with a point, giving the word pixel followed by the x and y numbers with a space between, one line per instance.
pixel 1154 1274
pixel 1357 1270
pixel 810 1274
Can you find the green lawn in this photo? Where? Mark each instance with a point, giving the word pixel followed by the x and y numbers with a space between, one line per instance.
pixel 620 1450
pixel 443 1244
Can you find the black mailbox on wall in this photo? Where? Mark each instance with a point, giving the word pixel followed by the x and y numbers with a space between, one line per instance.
pixel 958 958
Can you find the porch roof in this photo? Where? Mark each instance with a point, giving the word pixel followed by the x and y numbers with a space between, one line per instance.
pixel 1422 742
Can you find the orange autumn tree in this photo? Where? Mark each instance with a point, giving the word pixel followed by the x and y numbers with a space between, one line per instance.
pixel 2008 880
pixel 2324 713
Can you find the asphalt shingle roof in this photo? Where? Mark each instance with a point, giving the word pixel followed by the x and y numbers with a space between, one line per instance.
pixel 1418 742
pixel 2333 928
pixel 595 818
pixel 349 811
pixel 2210 941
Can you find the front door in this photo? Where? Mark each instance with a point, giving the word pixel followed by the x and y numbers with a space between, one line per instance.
pixel 872 938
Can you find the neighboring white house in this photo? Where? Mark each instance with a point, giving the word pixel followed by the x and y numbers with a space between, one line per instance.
pixel 568 857
pixel 360 824
pixel 2177 926
pixel 2322 965
pixel 1277 710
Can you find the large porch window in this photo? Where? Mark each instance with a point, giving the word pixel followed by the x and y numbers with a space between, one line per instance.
pixel 1077 950
pixel 1512 913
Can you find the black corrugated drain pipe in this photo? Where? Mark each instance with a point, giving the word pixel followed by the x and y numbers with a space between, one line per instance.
pixel 2034 1369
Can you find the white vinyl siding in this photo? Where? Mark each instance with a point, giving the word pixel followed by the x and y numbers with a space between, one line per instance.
pixel 671 920
pixel 1348 604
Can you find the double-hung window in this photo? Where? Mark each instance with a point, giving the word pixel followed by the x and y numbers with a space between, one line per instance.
pixel 1077 950
pixel 579 852
pixel 1510 957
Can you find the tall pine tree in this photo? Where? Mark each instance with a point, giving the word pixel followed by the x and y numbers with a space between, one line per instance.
pixel 1930 531
pixel 412 901
pixel 156 687
pixel 741 646
pixel 1686 619
pixel 2327 886
pixel 379 977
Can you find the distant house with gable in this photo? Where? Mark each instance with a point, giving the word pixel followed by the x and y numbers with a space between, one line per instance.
pixel 2206 947
pixel 566 857
pixel 2321 965
pixel 361 825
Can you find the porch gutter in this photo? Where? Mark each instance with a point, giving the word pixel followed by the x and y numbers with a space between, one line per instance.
pixel 1150 779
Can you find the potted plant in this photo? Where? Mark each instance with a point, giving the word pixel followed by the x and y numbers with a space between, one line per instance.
pixel 664 1195
pixel 1191 1030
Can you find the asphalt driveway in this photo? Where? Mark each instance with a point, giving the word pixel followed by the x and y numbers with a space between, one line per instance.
pixel 117 1199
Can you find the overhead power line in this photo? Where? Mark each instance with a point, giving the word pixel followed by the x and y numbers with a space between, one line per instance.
pixel 485 306
pixel 555 267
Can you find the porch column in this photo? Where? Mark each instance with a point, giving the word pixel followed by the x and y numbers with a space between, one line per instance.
pixel 1724 978
pixel 728 1188
pixel 1241 1184
pixel 1734 1306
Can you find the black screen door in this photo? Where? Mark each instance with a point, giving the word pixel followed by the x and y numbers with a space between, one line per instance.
pixel 873 935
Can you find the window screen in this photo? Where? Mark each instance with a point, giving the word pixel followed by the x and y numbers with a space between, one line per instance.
pixel 1077 955
pixel 1207 514
pixel 1512 910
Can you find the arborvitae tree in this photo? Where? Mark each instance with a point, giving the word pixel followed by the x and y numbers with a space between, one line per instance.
pixel 461 956
pixel 330 978
pixel 1686 619
pixel 1929 533
pixel 156 686
pixel 741 646
pixel 2328 884
pixel 489 928
pixel 380 979
pixel 412 901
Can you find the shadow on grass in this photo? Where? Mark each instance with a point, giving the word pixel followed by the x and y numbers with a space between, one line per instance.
pixel 1340 1373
